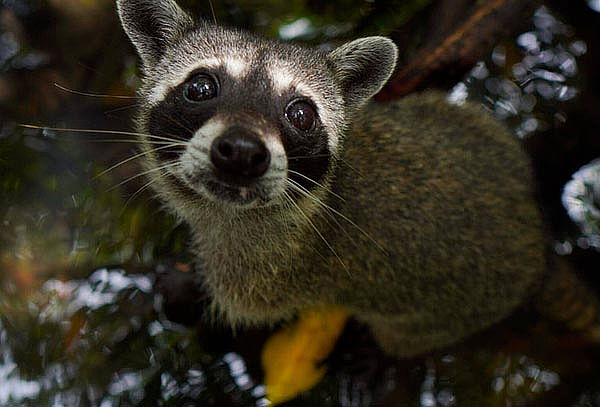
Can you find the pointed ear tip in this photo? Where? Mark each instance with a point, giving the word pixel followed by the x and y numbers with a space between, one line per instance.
pixel 386 48
pixel 386 42
pixel 122 7
pixel 380 38
pixel 376 43
pixel 380 43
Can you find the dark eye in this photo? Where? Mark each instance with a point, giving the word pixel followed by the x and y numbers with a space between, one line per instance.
pixel 201 88
pixel 302 115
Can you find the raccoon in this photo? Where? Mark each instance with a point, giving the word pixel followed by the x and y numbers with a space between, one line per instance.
pixel 416 216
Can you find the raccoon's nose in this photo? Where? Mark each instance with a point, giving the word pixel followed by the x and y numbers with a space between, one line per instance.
pixel 241 154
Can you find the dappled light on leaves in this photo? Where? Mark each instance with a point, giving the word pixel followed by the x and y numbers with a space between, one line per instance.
pixel 81 319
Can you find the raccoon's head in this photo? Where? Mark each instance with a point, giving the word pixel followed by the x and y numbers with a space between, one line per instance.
pixel 256 120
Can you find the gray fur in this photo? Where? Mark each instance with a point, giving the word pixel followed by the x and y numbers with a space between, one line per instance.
pixel 375 55
pixel 427 229
pixel 152 25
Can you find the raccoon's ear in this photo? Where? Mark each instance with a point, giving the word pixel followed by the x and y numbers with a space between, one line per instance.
pixel 363 66
pixel 152 25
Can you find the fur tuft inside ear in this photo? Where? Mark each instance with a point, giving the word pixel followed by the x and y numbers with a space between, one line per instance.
pixel 363 66
pixel 152 24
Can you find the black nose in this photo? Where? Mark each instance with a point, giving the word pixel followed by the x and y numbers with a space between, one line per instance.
pixel 240 153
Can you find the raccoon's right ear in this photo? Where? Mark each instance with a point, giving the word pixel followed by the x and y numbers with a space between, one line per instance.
pixel 152 25
pixel 363 66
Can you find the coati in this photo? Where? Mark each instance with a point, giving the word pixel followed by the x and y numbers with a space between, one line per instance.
pixel 417 216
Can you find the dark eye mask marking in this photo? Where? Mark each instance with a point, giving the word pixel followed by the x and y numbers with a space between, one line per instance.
pixel 304 138
pixel 178 119
pixel 308 154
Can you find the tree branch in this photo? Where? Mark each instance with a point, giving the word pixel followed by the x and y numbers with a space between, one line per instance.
pixel 452 56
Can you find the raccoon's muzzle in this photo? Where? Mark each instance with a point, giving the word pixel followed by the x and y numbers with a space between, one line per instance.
pixel 239 156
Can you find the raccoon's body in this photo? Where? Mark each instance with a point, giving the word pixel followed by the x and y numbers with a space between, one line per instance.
pixel 430 252
pixel 417 216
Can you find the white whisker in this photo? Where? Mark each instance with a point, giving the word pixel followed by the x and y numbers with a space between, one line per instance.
pixel 316 183
pixel 142 188
pixel 134 157
pixel 310 222
pixel 97 131
pixel 315 199
pixel 96 95
pixel 150 171
pixel 139 142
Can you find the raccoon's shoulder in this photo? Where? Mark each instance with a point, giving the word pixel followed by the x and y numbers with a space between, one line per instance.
pixel 423 137
pixel 429 121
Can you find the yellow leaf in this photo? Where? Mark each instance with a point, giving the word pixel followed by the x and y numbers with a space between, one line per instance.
pixel 291 357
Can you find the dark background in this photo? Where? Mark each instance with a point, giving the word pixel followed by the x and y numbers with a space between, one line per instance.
pixel 81 248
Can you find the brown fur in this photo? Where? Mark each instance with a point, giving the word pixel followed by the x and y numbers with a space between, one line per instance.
pixel 424 225
pixel 454 239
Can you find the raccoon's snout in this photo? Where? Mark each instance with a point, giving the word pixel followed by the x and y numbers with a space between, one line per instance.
pixel 240 153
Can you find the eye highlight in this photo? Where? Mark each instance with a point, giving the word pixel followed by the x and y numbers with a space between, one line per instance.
pixel 301 115
pixel 202 87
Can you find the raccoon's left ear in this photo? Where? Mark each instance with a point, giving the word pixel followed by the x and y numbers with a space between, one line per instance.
pixel 363 66
pixel 152 25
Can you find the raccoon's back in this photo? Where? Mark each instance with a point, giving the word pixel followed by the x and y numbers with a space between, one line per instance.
pixel 446 190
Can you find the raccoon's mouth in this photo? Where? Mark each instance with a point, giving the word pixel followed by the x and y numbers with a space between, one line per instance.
pixel 235 192
pixel 238 194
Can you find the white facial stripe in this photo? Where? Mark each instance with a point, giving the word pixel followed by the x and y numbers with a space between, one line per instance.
pixel 160 91
pixel 282 79
pixel 197 154
pixel 278 157
pixel 277 171
pixel 197 157
pixel 236 67
pixel 204 136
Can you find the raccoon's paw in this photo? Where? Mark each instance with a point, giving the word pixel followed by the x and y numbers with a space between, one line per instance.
pixel 400 340
pixel 183 301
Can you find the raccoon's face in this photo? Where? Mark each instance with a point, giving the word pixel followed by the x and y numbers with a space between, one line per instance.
pixel 256 121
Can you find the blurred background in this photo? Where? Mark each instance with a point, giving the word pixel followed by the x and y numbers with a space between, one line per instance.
pixel 95 279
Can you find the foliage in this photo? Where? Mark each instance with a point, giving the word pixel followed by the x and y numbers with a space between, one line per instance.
pixel 80 324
